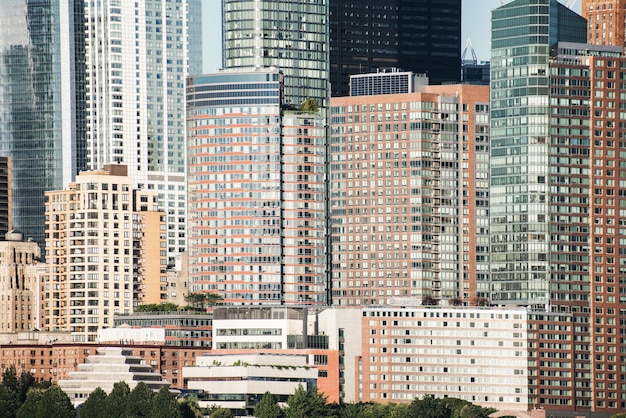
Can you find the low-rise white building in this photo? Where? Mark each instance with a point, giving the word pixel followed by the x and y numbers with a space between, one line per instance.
pixel 238 381
pixel 109 366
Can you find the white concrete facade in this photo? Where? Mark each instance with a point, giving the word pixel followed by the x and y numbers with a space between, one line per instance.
pixel 237 381
pixel 109 366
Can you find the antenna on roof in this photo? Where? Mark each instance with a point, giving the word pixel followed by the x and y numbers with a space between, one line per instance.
pixel 470 47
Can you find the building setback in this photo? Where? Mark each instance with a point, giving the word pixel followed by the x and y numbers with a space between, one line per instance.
pixel 409 203
pixel 256 191
pixel 415 35
pixel 138 57
pixel 106 252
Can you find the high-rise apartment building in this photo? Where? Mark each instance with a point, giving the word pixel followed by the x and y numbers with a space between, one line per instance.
pixel 42 79
pixel 605 21
pixel 257 217
pixel 138 56
pixel 409 196
pixel 415 35
pixel 289 35
pixel 106 251
pixel 522 33
pixel 559 246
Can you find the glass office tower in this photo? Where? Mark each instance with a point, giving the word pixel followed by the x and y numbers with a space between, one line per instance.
pixel 42 81
pixel 422 36
pixel 256 191
pixel 138 56
pixel 290 35
pixel 523 32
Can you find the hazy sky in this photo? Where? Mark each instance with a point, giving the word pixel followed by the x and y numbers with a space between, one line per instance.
pixel 476 18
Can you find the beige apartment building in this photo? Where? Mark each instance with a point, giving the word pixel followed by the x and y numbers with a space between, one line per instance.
pixel 18 283
pixel 106 252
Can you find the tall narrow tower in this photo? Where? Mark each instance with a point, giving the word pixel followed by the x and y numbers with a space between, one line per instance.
pixel 137 62
pixel 42 80
pixel 523 32
pixel 256 191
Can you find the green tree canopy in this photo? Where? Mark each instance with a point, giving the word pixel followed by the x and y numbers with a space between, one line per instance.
pixel 222 413
pixel 268 407
pixel 429 407
pixel 139 401
pixel 164 405
pixel 32 404
pixel 309 105
pixel 55 404
pixel 116 401
pixel 95 405
pixel 202 300
pixel 303 404
pixel 158 307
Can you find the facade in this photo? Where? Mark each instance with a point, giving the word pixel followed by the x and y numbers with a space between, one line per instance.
pixel 519 191
pixel 291 36
pixel 386 82
pixel 189 329
pixel 138 56
pixel 19 284
pixel 109 366
pixel 605 22
pixel 256 191
pixel 409 203
pixel 178 279
pixel 42 105
pixel 6 195
pixel 324 335
pixel 419 36
pixel 239 381
pixel 475 354
pixel 98 252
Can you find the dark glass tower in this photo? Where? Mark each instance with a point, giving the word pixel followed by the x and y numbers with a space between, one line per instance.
pixel 41 102
pixel 423 36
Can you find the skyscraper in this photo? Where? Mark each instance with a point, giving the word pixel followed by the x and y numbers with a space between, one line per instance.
pixel 414 35
pixel 522 33
pixel 605 21
pixel 409 206
pixel 42 80
pixel 138 58
pixel 256 191
pixel 289 35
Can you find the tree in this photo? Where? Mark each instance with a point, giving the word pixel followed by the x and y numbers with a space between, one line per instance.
pixel 222 413
pixel 32 405
pixel 158 307
pixel 190 408
pixel 95 405
pixel 303 404
pixel 55 404
pixel 139 401
pixel 429 407
pixel 472 411
pixel 116 401
pixel 202 300
pixel 309 105
pixel 164 405
pixel 268 407
pixel 8 403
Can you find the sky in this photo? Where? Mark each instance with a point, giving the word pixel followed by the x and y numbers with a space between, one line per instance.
pixel 475 21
